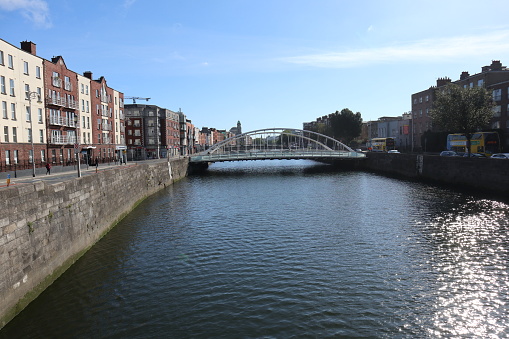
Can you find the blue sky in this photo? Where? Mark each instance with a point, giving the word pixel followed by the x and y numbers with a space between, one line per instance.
pixel 267 63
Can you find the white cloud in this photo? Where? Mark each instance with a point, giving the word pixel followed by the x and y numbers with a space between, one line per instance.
pixel 492 44
pixel 128 3
pixel 36 11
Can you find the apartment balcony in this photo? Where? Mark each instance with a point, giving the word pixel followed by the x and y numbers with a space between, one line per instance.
pixel 63 139
pixel 62 102
pixel 62 121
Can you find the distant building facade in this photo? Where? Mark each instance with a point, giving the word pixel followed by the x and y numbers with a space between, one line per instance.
pixel 494 77
pixel 151 132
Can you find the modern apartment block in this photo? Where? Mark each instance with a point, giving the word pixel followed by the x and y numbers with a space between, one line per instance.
pixel 22 119
pixel 494 77
pixel 49 112
pixel 151 132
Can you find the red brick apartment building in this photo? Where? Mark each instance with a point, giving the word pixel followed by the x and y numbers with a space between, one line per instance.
pixel 494 77
pixel 47 112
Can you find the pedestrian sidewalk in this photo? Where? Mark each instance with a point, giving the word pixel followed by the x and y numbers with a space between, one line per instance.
pixel 57 173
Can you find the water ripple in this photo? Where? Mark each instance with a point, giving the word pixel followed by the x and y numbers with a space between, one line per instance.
pixel 275 250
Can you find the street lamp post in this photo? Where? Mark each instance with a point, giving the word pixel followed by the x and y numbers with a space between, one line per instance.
pixel 77 144
pixel 30 96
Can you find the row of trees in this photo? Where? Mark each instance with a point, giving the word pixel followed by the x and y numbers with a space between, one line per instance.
pixel 343 126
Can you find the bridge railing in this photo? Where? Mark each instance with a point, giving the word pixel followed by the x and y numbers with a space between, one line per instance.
pixel 275 154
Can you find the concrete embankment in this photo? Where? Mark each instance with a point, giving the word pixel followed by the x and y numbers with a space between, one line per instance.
pixel 486 175
pixel 45 228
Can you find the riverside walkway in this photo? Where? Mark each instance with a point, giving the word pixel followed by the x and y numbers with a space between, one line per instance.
pixel 61 173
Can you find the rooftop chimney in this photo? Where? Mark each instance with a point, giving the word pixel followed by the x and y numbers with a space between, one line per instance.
pixel 443 81
pixel 464 75
pixel 28 46
pixel 496 65
pixel 87 74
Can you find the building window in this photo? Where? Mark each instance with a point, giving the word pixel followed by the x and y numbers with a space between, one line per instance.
pixel 27 91
pixel 497 110
pixel 11 91
pixel 55 78
pixel 25 67
pixel 67 83
pixel 13 111
pixel 14 134
pixel 82 88
pixel 82 105
pixel 7 157
pixel 497 94
pixel 43 155
pixel 10 61
pixel 27 114
pixel 15 156
pixel 86 89
pixel 427 98
pixel 37 72
pixel 471 85
pixel 87 106
pixel 6 134
pixel 480 83
pixel 2 85
pixel 1 58
pixel 41 136
pixel 29 134
pixel 4 109
pixel 39 115
pixel 495 125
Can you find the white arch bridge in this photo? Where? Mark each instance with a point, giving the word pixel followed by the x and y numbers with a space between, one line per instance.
pixel 277 143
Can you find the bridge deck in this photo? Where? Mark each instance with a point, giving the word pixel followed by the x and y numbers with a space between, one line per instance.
pixel 275 154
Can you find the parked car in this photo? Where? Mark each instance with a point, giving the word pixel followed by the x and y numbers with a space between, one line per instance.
pixel 500 156
pixel 393 151
pixel 474 155
pixel 448 154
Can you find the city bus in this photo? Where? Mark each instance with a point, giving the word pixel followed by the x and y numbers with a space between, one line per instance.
pixel 381 144
pixel 485 143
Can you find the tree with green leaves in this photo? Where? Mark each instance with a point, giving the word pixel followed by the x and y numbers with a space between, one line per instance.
pixel 462 109
pixel 345 125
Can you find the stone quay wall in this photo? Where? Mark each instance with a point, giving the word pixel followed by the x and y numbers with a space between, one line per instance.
pixel 45 228
pixel 484 175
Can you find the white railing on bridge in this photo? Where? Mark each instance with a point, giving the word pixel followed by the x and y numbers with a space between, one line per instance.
pixel 276 154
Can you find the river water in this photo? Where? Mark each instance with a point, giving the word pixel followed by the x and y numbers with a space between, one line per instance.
pixel 288 249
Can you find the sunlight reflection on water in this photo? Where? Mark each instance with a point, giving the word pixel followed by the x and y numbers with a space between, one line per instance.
pixel 471 258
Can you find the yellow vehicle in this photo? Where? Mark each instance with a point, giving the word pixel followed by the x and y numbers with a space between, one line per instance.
pixel 381 144
pixel 485 143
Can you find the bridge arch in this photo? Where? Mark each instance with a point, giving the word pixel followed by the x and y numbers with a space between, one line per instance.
pixel 276 143
pixel 276 137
